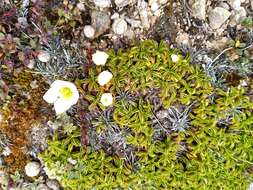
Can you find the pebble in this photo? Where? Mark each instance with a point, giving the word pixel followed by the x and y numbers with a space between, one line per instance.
pixel 102 3
pixel 43 56
pixel 121 3
pixel 198 8
pixel 42 187
pixel 100 21
pixel 53 184
pixel 238 16
pixel 235 4
pixel 144 15
pixel 119 26
pixel 32 169
pixel 89 31
pixel 217 17
pixel 183 39
pixel 154 7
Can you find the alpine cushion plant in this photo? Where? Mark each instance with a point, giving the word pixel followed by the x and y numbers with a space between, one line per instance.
pixel 168 128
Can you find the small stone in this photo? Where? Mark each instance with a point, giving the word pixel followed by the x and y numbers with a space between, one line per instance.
pixel 154 6
pixel 217 17
pixel 198 8
pixel 119 26
pixel 183 39
pixel 80 6
pixel 23 22
pixel 238 16
pixel 42 187
pixel 143 6
pixel 121 3
pixel 53 184
pixel 32 169
pixel 235 4
pixel 89 31
pixel 115 16
pixel 251 3
pixel 100 21
pixel 102 3
pixel 134 23
pixel 43 56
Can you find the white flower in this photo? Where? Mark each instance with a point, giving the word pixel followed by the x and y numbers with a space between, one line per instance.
pixel 104 77
pixel 62 94
pixel 32 169
pixel 100 57
pixel 43 56
pixel 106 99
pixel 174 58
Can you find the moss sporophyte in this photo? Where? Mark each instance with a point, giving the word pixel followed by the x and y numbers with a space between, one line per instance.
pixel 168 128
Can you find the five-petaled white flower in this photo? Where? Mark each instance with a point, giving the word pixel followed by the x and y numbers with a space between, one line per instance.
pixel 174 58
pixel 100 57
pixel 106 99
pixel 62 94
pixel 104 77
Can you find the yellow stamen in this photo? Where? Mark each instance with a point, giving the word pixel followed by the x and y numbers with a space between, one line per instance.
pixel 66 93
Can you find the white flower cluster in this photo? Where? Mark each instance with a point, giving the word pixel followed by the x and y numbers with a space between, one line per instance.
pixel 64 94
pixel 100 58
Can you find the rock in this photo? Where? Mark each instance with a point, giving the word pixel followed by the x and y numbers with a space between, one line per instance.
pixel 23 22
pixel 238 16
pixel 32 169
pixel 235 4
pixel 217 17
pixel 43 56
pixel 80 6
pixel 102 3
pixel 154 7
pixel 100 21
pixel 53 184
pixel 183 39
pixel 119 26
pixel 198 8
pixel 144 14
pixel 121 3
pixel 251 3
pixel 89 31
pixel 115 16
pixel 42 187
pixel 133 23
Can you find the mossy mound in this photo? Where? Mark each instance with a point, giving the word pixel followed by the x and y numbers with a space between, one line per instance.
pixel 167 129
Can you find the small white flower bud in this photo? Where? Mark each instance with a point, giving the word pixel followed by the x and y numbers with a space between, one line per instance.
pixel 106 99
pixel 174 58
pixel 104 77
pixel 100 57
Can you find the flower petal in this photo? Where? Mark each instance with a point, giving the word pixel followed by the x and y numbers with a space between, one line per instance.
pixel 51 95
pixel 61 105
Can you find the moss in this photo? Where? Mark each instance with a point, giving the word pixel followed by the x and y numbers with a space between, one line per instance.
pixel 20 112
pixel 168 128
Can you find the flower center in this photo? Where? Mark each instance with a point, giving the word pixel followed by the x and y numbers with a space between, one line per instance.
pixel 66 93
